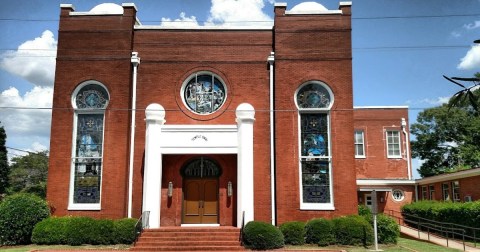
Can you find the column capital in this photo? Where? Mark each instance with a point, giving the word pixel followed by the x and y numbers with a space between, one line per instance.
pixel 155 113
pixel 245 112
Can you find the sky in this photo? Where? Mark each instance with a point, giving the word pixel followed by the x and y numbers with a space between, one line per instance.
pixel 401 49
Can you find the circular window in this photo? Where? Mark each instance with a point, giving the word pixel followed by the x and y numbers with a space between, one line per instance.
pixel 204 93
pixel 398 195
pixel 314 95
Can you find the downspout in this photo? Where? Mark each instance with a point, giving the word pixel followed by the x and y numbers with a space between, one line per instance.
pixel 271 60
pixel 135 62
pixel 407 148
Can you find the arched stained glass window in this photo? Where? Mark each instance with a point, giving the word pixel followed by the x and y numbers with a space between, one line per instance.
pixel 314 100
pixel 313 95
pixel 204 93
pixel 89 100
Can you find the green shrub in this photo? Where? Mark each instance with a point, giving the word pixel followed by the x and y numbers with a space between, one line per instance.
pixel 293 232
pixel 262 236
pixel 353 230
pixel 51 231
pixel 80 231
pixel 18 215
pixel 387 228
pixel 104 232
pixel 364 210
pixel 124 231
pixel 467 214
pixel 319 231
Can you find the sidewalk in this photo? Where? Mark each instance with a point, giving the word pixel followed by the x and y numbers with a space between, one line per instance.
pixel 437 240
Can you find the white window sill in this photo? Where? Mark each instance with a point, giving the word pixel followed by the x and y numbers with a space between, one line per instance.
pixel 319 206
pixel 84 207
pixel 394 157
pixel 363 157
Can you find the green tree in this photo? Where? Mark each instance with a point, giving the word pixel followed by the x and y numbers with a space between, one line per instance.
pixel 29 174
pixel 447 138
pixel 4 169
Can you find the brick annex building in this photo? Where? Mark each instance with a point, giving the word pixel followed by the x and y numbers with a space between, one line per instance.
pixel 200 126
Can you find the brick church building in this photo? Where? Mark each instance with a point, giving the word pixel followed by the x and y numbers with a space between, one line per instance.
pixel 215 125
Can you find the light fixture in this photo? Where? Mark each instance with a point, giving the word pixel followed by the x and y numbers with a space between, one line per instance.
pixel 170 189
pixel 360 199
pixel 229 189
pixel 382 199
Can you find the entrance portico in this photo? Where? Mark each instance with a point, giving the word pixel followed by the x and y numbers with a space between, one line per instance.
pixel 198 139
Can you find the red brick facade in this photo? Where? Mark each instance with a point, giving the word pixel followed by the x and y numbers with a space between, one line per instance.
pixel 306 48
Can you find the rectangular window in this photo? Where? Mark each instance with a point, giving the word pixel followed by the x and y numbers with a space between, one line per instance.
pixel 393 144
pixel 432 192
pixel 456 191
pixel 424 192
pixel 359 144
pixel 87 162
pixel 315 162
pixel 446 191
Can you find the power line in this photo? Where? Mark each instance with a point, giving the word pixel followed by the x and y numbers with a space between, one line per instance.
pixel 258 21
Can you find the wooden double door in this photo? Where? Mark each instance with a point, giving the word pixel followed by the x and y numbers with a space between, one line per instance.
pixel 200 204
pixel 200 192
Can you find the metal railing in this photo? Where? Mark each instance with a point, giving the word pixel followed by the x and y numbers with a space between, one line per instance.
pixel 240 238
pixel 445 230
pixel 142 223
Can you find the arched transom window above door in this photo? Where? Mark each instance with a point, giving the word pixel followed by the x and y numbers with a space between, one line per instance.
pixel 201 168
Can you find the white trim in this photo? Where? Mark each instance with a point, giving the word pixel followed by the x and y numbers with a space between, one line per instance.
pixel 201 28
pixel 67 6
pixel 449 176
pixel 130 5
pixel 369 189
pixel 346 3
pixel 315 12
pixel 380 107
pixel 87 13
pixel 384 182
pixel 280 4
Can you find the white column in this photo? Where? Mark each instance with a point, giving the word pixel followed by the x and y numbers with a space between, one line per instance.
pixel 152 175
pixel 245 117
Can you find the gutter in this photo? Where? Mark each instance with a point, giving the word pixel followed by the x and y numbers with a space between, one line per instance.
pixel 135 62
pixel 271 61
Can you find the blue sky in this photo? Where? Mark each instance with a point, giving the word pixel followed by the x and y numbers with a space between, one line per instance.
pixel 401 49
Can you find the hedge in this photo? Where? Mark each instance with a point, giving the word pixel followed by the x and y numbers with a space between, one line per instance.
pixel 75 230
pixel 353 230
pixel 293 232
pixel 262 236
pixel 467 214
pixel 19 213
pixel 319 231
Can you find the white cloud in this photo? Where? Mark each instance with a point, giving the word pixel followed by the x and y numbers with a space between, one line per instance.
pixel 22 116
pixel 238 13
pixel 431 101
pixel 456 34
pixel 34 60
pixel 471 26
pixel 183 22
pixel 471 59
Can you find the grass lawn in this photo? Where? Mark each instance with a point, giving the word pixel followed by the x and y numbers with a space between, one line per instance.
pixel 404 244
pixel 63 247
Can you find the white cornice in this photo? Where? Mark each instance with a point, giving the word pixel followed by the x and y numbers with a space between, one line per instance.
pixel 202 28
pixel 384 182
pixel 449 176
pixel 320 12
pixel 380 107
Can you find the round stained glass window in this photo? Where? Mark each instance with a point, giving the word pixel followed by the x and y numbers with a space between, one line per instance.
pixel 313 95
pixel 204 93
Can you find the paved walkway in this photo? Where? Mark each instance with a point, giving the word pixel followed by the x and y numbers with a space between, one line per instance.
pixel 437 240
